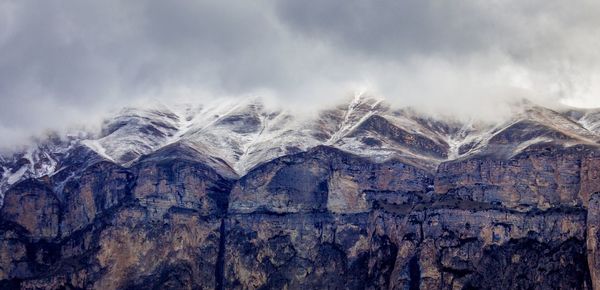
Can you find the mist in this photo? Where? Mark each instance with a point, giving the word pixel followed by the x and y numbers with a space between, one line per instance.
pixel 71 63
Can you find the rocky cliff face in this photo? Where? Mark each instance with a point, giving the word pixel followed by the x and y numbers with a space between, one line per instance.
pixel 515 208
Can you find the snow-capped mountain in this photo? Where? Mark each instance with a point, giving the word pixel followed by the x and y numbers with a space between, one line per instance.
pixel 192 194
pixel 243 134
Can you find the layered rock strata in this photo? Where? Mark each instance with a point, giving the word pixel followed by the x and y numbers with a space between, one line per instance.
pixel 323 218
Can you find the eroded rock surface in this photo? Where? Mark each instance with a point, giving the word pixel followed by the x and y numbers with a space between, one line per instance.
pixel 323 218
pixel 156 225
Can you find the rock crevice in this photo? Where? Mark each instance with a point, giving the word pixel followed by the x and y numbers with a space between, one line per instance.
pixel 323 218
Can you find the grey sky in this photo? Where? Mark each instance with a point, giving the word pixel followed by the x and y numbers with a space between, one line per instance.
pixel 68 62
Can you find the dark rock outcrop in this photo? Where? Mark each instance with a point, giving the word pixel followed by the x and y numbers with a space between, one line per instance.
pixel 155 225
pixel 32 206
pixel 323 218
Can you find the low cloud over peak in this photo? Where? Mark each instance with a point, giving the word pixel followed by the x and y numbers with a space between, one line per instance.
pixel 68 62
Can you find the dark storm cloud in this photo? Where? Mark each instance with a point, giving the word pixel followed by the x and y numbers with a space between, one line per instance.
pixel 391 28
pixel 394 28
pixel 66 62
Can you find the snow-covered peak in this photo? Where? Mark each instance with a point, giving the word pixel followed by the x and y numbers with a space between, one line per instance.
pixel 135 132
pixel 38 160
pixel 245 133
pixel 588 119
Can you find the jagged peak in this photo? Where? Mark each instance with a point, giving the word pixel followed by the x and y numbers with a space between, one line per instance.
pixel 246 132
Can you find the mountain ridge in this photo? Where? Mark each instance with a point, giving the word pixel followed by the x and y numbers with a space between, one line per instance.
pixel 247 133
pixel 362 197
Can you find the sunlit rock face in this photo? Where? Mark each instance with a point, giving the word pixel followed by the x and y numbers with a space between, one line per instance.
pixel 364 197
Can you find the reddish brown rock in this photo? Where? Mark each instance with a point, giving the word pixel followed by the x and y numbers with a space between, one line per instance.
pixel 32 205
pixel 593 239
pixel 173 177
pixel 318 219
pixel 323 179
pixel 101 187
pixel 542 176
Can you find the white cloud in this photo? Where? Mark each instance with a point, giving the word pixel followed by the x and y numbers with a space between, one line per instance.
pixel 64 61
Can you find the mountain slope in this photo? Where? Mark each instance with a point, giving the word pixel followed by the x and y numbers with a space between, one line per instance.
pixel 247 133
pixel 235 195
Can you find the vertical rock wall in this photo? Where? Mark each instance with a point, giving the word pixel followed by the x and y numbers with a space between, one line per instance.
pixel 318 219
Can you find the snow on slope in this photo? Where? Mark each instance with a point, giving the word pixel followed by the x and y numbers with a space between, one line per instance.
pixel 247 133
pixel 34 162
pixel 135 132
pixel 588 119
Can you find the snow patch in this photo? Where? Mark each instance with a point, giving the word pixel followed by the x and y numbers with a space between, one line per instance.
pixel 528 143
pixel 98 148
pixel 16 176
